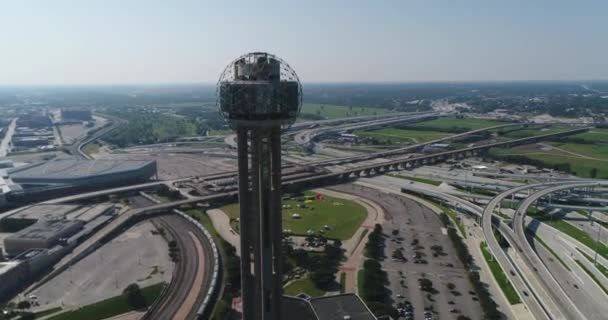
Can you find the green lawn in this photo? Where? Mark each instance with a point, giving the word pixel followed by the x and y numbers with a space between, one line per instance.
pixel 448 124
pixel 329 111
pixel 91 148
pixel 303 285
pixel 394 135
pixel 581 166
pixel 599 150
pixel 500 276
pixel 109 307
pixel 342 216
pixel 360 281
pixel 531 132
pixel 579 235
pixel 591 136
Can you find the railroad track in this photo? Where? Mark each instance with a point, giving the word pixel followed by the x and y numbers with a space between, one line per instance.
pixel 182 297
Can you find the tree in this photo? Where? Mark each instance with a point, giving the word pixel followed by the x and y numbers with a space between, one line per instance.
pixel 593 173
pixel 24 304
pixel 135 299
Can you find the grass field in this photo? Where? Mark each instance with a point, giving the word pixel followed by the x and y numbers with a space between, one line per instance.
pixel 394 135
pixel 599 151
pixel 592 136
pixel 91 148
pixel 530 132
pixel 109 307
pixel 329 111
pixel 581 166
pixel 304 285
pixel 342 216
pixel 447 124
pixel 500 276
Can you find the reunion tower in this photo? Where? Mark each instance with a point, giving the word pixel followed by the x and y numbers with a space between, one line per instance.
pixel 259 95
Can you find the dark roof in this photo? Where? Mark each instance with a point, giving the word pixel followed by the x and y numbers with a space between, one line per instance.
pixel 297 309
pixel 326 308
pixel 75 168
pixel 339 306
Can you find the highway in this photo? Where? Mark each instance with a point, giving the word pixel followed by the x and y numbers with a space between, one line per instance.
pixel 563 301
pixel 537 301
pixel 299 183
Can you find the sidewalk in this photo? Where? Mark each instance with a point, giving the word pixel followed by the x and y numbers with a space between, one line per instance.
pixel 356 244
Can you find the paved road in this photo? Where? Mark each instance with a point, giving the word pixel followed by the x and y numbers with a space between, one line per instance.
pixel 537 299
pixel 567 306
pixel 4 146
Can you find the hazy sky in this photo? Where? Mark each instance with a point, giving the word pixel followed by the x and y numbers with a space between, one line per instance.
pixel 183 41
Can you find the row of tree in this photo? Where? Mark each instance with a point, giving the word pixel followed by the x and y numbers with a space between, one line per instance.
pixel 488 305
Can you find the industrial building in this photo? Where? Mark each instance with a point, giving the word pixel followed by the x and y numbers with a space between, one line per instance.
pixel 34 120
pixel 60 177
pixel 43 234
pixel 20 271
pixel 68 114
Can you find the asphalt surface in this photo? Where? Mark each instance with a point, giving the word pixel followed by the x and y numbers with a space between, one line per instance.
pixel 563 300
pixel 135 256
pixel 418 222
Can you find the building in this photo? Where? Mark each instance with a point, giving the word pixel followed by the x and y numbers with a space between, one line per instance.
pixel 337 307
pixel 34 120
pixel 43 234
pixel 30 141
pixel 12 275
pixel 61 177
pixel 68 114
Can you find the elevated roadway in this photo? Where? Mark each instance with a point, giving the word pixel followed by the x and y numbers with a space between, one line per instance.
pixel 507 264
pixel 568 307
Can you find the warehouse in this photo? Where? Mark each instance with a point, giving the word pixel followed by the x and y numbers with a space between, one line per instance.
pixel 42 234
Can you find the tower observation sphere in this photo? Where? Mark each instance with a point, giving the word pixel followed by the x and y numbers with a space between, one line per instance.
pixel 259 95
pixel 259 89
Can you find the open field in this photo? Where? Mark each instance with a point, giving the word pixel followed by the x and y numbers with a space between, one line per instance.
pixel 530 132
pixel 329 111
pixel 394 135
pixel 303 285
pixel 91 148
pixel 455 124
pixel 598 151
pixel 581 166
pixel 592 136
pixel 342 216
pixel 109 307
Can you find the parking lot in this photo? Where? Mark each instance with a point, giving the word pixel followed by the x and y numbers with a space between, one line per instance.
pixel 136 256
pixel 417 230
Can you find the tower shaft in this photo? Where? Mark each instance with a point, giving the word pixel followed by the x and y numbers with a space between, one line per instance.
pixel 260 221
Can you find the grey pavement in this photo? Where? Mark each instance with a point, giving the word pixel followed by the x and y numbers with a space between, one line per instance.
pixel 136 256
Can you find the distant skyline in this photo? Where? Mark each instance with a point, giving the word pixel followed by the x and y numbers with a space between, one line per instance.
pixel 111 42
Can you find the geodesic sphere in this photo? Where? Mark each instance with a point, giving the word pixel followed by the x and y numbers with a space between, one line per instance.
pixel 259 89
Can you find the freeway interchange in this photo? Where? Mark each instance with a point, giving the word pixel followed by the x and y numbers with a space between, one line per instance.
pixel 543 297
